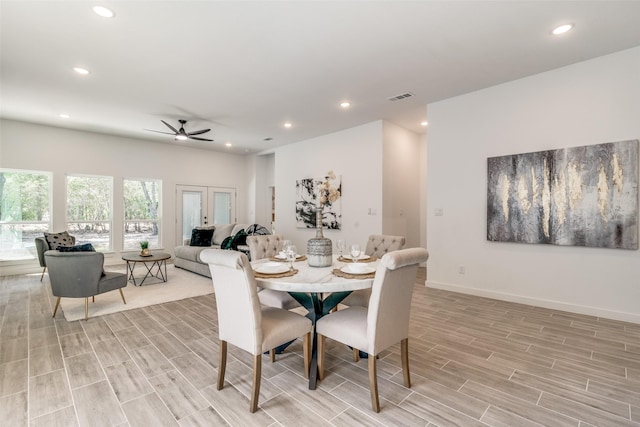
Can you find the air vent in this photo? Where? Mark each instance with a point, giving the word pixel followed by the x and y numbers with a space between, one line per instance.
pixel 401 96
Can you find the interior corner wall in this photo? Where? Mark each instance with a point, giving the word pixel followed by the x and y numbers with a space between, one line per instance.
pixel 62 151
pixel 356 155
pixel 591 102
pixel 401 185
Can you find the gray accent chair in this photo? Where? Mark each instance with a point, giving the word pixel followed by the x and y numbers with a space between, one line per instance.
pixel 377 246
pixel 80 275
pixel 41 247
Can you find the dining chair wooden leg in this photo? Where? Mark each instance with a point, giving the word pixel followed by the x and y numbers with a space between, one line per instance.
pixel 93 298
pixel 306 353
pixel 222 363
pixel 55 309
pixel 356 355
pixel 86 308
pixel 272 355
pixel 404 355
pixel 122 295
pixel 257 375
pixel 321 342
pixel 42 276
pixel 373 383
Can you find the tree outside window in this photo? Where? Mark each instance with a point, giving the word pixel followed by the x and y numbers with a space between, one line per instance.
pixel 141 213
pixel 25 206
pixel 89 210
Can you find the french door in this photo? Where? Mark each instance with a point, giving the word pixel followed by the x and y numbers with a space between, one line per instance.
pixel 200 206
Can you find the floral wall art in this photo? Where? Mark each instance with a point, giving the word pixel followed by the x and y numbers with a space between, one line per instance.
pixel 581 196
pixel 319 193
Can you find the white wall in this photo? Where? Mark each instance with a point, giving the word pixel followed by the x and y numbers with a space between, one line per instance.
pixel 63 151
pixel 592 102
pixel 356 154
pixel 402 158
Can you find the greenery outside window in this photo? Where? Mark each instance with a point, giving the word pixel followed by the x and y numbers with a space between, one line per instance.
pixel 25 212
pixel 89 210
pixel 141 213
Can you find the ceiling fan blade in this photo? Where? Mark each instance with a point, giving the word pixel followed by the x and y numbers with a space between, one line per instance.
pixel 170 127
pixel 199 139
pixel 166 133
pixel 198 132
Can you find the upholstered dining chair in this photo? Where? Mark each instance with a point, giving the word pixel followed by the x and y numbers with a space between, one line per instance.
pixel 243 322
pixel 384 323
pixel 41 247
pixel 377 246
pixel 81 275
pixel 267 246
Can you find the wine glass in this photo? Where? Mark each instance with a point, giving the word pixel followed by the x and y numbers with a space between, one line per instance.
pixel 341 245
pixel 291 253
pixel 355 252
pixel 285 247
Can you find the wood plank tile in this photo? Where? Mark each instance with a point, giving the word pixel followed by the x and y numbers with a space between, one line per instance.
pixel 183 332
pixel 178 394
pixel 127 381
pixel 354 418
pixel 148 410
pixel 290 412
pixel 233 406
pixel 581 411
pixel 497 417
pixel 168 345
pixel 83 369
pixel 14 349
pixel 74 344
pixel 13 409
pixel 45 359
pixel 65 417
pixel 48 393
pixel 149 326
pixel 97 405
pixel 43 337
pixel 194 369
pixel 117 321
pixel 203 418
pixel 97 330
pixel 13 377
pixel 110 352
pixel 132 338
pixel 151 361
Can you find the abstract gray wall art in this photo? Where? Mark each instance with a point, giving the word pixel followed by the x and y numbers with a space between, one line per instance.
pixel 581 196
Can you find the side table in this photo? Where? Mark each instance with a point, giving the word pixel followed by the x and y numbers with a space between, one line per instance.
pixel 156 260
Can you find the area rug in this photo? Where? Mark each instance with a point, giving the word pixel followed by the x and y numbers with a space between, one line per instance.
pixel 181 284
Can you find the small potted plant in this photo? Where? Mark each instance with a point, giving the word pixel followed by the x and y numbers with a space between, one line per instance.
pixel 145 248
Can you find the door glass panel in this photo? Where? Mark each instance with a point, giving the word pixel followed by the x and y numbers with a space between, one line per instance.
pixel 221 208
pixel 191 212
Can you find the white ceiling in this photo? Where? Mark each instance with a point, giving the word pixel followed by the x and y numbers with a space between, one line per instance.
pixel 244 68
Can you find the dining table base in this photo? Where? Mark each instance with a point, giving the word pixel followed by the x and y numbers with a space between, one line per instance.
pixel 317 307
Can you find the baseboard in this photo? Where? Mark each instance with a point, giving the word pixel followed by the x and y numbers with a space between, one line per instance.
pixel 555 305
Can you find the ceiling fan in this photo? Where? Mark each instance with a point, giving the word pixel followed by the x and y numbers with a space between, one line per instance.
pixel 182 135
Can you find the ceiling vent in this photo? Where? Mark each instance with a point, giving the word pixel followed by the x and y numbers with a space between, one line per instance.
pixel 401 96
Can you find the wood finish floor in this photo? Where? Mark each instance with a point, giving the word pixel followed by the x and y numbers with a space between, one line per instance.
pixel 474 362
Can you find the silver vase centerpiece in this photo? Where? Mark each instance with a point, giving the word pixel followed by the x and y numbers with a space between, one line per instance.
pixel 319 253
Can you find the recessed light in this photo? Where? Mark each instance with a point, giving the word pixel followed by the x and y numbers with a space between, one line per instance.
pixel 345 104
pixel 81 70
pixel 288 125
pixel 424 123
pixel 562 29
pixel 103 11
pixel 228 144
pixel 64 116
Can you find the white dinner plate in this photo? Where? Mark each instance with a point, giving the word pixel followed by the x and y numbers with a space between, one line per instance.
pixel 271 268
pixel 284 257
pixel 358 269
pixel 360 257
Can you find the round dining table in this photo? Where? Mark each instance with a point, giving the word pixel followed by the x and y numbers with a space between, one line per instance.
pixel 318 289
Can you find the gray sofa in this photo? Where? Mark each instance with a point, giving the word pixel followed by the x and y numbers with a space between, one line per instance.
pixel 188 257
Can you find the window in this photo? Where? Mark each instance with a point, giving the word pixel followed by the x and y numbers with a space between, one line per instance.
pixel 141 213
pixel 25 212
pixel 89 210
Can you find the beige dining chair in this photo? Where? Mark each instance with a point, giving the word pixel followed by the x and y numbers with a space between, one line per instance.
pixel 384 323
pixel 242 322
pixel 267 246
pixel 377 246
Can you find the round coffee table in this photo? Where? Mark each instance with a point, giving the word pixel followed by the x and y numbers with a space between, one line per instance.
pixel 154 260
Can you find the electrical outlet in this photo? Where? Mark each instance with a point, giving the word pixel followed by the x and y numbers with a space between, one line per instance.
pixel 461 269
pixel 438 212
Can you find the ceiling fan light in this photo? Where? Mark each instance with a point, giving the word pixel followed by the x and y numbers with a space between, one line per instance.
pixel 103 11
pixel 181 137
pixel 562 29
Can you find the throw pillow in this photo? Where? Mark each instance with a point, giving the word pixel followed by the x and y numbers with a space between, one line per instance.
pixel 201 237
pixel 226 243
pixel 86 247
pixel 239 239
pixel 55 240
